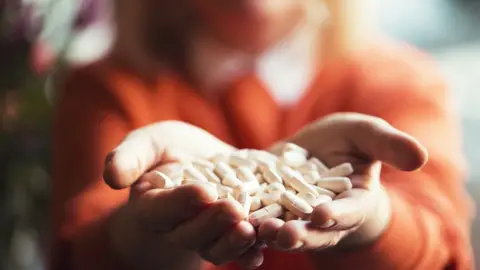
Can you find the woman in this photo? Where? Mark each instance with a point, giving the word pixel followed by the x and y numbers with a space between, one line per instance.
pixel 253 73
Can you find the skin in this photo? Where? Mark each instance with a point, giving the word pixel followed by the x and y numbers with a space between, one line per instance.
pixel 168 230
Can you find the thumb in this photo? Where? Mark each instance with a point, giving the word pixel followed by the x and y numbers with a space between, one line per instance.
pixel 377 140
pixel 162 142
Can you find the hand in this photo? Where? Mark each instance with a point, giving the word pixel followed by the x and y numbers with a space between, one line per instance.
pixel 360 215
pixel 174 229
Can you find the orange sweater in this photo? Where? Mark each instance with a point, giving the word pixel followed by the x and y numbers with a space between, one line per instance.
pixel 430 227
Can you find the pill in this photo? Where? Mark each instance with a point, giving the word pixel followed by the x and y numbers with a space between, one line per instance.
pixel 270 198
pixel 246 174
pixel 320 166
pixel 272 176
pixel 342 170
pixel 308 197
pixel 295 205
pixel 335 184
pixel 202 164
pixel 296 181
pixel 172 170
pixel 251 187
pixel 223 191
pixel 210 175
pixel 161 180
pixel 289 216
pixel 231 180
pixel 311 177
pixel 222 169
pixel 271 211
pixel 236 162
pixel 321 200
pixel 275 187
pixel 256 204
pixel 177 181
pixel 306 167
pixel 243 198
pixel 290 147
pixel 293 159
pixel 323 191
pixel 193 174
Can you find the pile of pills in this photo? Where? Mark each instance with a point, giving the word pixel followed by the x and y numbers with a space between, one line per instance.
pixel 287 186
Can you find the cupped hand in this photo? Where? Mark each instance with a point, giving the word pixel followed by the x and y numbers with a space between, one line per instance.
pixel 170 227
pixel 360 215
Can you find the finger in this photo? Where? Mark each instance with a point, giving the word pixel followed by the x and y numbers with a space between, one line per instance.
pixel 268 230
pixel 298 235
pixel 232 245
pixel 210 225
pixel 345 212
pixel 251 259
pixel 148 146
pixel 162 210
pixel 378 140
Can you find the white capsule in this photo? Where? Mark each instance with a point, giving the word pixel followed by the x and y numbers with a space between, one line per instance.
pixel 210 175
pixel 295 180
pixel 271 211
pixel 236 162
pixel 161 180
pixel 323 191
pixel 320 166
pixel 222 169
pixel 243 198
pixel 172 170
pixel 311 177
pixel 193 174
pixel 256 204
pixel 251 187
pixel 246 174
pixel 270 198
pixel 293 159
pixel 296 205
pixel 335 184
pixel 342 170
pixel 272 176
pixel 275 187
pixel 321 200
pixel 223 191
pixel 291 147
pixel 231 180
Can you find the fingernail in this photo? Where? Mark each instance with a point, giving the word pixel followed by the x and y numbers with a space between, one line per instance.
pixel 330 223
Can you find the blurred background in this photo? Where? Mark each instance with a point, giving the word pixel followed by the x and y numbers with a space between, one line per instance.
pixel 39 37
